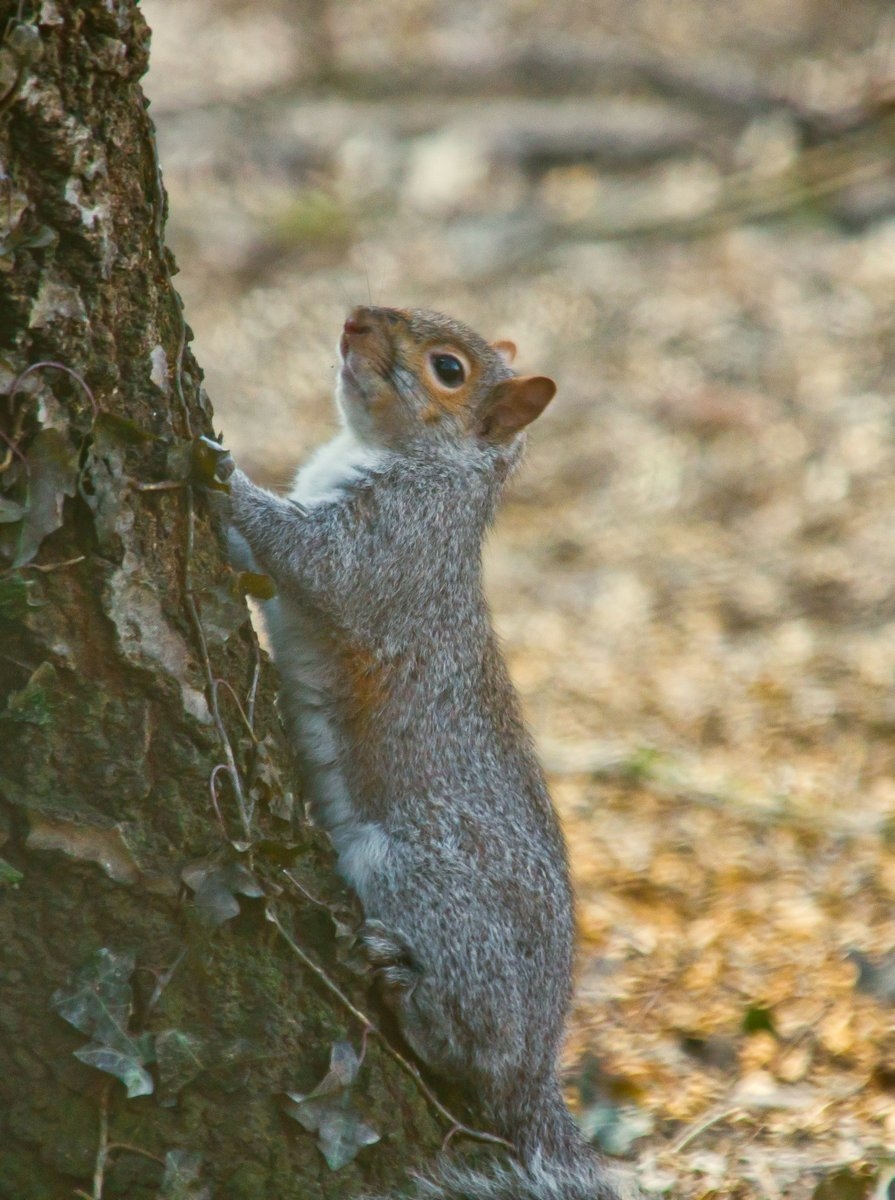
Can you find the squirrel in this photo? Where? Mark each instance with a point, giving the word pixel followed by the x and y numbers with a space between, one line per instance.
pixel 412 748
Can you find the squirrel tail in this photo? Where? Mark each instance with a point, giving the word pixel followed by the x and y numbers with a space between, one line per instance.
pixel 585 1178
pixel 555 1163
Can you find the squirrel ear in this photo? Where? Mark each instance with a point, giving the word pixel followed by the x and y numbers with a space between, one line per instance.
pixel 506 350
pixel 514 404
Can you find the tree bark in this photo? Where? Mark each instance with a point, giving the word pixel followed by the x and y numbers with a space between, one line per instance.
pixel 135 919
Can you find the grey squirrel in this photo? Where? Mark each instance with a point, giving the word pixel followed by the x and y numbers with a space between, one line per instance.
pixel 408 730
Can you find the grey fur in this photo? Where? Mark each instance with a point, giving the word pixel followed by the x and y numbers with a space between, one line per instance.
pixel 416 759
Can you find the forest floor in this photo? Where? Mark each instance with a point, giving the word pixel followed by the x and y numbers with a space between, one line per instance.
pixel 694 574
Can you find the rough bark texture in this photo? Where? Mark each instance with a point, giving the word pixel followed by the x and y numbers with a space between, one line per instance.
pixel 107 738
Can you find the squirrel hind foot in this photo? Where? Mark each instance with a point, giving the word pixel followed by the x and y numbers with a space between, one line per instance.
pixel 390 955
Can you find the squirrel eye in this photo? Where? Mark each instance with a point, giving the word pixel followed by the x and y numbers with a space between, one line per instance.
pixel 449 369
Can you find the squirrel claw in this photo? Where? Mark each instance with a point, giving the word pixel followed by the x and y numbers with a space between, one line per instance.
pixel 212 464
pixel 390 954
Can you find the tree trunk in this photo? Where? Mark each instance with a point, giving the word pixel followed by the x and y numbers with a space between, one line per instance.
pixel 144 824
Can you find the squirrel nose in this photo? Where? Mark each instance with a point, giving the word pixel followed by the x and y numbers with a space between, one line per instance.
pixel 356 324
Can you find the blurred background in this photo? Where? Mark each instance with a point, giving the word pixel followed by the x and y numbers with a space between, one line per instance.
pixel 685 212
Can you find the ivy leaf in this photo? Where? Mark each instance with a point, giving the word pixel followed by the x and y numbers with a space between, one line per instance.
pixel 214 901
pixel 181 1179
pixel 104 478
pixel 52 475
pixel 121 430
pixel 615 1128
pixel 125 1067
pixel 223 611
pixel 215 885
pixel 343 1134
pixel 208 459
pixel 15 597
pixel 267 783
pixel 32 704
pixel 98 1000
pixel 179 1058
pixel 9 876
pixel 329 1111
pixel 348 952
pixel 10 511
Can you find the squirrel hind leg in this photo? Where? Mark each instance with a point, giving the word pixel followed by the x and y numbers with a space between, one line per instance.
pixel 413 1002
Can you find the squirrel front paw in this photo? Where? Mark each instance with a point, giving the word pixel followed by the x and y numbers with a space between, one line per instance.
pixel 390 955
pixel 212 465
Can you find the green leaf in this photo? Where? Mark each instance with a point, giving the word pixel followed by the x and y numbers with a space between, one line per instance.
pixel 181 1179
pixel 52 475
pixel 125 1067
pixel 758 1019
pixel 31 704
pixel 15 597
pixel 329 1111
pixel 9 876
pixel 179 1058
pixel 10 511
pixel 215 885
pixel 97 1000
pixel 615 1128
pixel 348 951
pixel 121 430
pixel 207 458
pixel 39 238
pixel 850 1183
pixel 342 1135
pixel 215 901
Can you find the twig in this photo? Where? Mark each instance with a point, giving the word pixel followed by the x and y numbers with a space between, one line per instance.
pixel 256 675
pixel 219 683
pixel 319 972
pixel 189 594
pixel 302 890
pixel 695 1130
pixel 129 1149
pixel 12 448
pixel 199 630
pixel 56 366
pixel 163 260
pixel 57 566
pixel 213 789
pixel 162 979
pixel 164 485
pixel 370 1027
pixel 102 1150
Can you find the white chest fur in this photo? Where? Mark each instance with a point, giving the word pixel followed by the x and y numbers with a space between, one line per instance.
pixel 334 467
pixel 305 672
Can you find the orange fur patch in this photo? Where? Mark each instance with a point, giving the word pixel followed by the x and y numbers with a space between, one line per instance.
pixel 367 682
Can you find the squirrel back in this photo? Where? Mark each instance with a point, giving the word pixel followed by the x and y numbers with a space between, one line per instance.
pixel 413 750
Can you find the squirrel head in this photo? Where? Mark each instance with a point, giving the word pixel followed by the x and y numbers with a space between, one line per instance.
pixel 411 378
